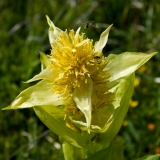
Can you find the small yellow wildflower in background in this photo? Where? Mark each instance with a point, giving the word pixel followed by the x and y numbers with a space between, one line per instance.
pixel 136 82
pixel 142 68
pixel 125 123
pixel 133 103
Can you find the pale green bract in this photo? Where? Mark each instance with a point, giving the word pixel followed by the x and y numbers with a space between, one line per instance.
pixel 50 106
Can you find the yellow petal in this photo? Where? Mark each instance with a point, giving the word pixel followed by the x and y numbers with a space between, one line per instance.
pixel 54 31
pixel 126 63
pixel 45 62
pixel 82 98
pixel 103 40
pixel 47 74
pixel 37 95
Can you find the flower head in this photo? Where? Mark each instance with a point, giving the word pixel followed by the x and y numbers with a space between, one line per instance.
pixel 81 90
pixel 80 76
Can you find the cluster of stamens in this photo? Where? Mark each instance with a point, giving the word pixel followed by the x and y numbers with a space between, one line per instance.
pixel 74 59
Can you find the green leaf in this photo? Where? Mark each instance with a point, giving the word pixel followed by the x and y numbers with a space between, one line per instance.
pixel 72 153
pixel 53 118
pixel 150 157
pixel 127 63
pixel 122 97
pixel 113 152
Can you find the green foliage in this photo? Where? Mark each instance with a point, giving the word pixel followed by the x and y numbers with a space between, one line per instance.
pixel 151 157
pixel 113 152
pixel 23 35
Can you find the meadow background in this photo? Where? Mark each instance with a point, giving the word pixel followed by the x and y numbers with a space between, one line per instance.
pixel 24 33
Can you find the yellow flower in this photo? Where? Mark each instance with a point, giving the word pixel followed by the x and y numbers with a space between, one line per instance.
pixel 80 89
pixel 79 72
pixel 76 73
pixel 136 82
pixel 134 103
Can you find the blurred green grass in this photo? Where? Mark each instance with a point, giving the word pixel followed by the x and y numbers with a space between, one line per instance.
pixel 23 34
